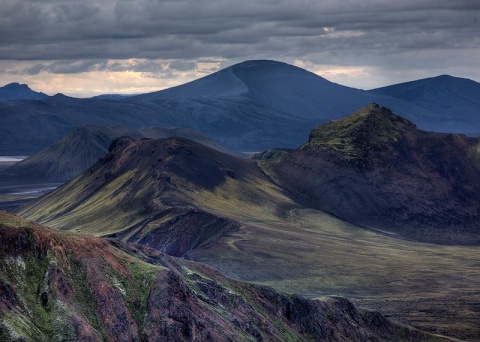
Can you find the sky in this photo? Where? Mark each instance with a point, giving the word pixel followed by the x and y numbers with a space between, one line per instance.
pixel 90 47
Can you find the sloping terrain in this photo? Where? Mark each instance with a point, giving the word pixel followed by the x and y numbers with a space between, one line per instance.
pixel 80 149
pixel 16 91
pixel 248 107
pixel 57 286
pixel 146 188
pixel 378 170
pixel 189 200
pixel 456 99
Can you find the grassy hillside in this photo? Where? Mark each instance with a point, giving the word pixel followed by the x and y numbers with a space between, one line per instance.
pixel 64 287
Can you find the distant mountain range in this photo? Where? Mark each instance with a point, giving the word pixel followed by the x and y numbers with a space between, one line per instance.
pixel 251 106
pixel 16 91
pixel 111 96
pixel 81 148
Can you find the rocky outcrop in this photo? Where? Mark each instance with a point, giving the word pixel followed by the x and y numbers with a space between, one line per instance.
pixel 376 169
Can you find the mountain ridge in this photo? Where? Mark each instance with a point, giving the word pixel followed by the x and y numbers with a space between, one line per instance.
pixel 17 91
pixel 251 106
pixel 451 97
pixel 81 148
pixel 376 169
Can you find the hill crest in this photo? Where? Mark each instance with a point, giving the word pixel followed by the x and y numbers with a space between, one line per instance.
pixel 17 91
pixel 378 170
pixel 368 127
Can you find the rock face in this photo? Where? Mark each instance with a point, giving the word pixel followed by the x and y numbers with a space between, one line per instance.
pixel 376 169
pixel 57 286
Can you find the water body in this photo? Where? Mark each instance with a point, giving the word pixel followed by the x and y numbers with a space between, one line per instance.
pixel 35 190
pixel 7 161
pixel 12 159
pixel 14 196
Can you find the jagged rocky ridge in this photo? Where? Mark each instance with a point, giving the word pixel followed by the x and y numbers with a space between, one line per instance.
pixel 16 91
pixel 57 286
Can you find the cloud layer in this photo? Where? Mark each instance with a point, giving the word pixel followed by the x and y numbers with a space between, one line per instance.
pixel 69 37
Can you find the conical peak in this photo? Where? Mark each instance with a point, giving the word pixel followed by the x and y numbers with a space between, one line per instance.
pixel 368 126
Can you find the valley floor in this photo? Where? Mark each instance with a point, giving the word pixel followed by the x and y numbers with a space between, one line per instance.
pixel 297 250
pixel 431 287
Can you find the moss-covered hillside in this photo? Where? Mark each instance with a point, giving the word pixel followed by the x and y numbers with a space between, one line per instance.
pixel 57 286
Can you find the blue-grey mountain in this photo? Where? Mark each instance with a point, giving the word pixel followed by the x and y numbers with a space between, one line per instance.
pixel 457 100
pixel 251 106
pixel 16 91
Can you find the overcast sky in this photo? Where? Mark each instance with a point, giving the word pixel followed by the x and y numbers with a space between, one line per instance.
pixel 88 47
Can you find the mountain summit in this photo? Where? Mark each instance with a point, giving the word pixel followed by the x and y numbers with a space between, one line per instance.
pixel 16 91
pixel 376 169
pixel 367 129
pixel 250 106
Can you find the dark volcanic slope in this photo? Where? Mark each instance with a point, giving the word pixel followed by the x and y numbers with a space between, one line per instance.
pixel 143 191
pixel 376 169
pixel 251 106
pixel 56 286
pixel 80 149
pixel 451 97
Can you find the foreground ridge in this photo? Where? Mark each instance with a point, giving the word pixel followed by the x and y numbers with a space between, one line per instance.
pixel 57 286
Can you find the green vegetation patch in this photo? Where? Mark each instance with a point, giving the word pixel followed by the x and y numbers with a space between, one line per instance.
pixel 365 128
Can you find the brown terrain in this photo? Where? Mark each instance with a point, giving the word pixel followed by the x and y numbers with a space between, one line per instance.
pixel 58 286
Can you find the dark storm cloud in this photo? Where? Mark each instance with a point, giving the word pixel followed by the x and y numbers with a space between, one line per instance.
pixel 320 30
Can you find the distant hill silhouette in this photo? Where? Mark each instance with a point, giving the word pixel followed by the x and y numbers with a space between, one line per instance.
pixel 16 91
pixel 455 99
pixel 111 96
